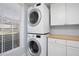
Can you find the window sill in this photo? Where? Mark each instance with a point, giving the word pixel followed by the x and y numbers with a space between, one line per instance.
pixel 14 52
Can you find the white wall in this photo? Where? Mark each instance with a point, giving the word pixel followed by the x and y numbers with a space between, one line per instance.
pixel 11 10
pixel 65 29
pixel 23 28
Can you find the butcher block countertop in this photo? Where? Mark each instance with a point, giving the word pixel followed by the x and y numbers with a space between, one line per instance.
pixel 64 37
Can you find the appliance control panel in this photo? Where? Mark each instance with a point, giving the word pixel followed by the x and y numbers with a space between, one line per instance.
pixel 38 36
pixel 38 4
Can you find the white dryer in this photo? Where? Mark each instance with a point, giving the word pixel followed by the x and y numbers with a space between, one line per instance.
pixel 38 19
pixel 37 45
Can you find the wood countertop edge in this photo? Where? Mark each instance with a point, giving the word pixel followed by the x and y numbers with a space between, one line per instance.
pixel 64 37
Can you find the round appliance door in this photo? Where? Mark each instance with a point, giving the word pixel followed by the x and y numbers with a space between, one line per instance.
pixel 34 17
pixel 34 47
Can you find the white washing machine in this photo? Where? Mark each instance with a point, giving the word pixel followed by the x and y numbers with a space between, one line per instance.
pixel 37 45
pixel 38 19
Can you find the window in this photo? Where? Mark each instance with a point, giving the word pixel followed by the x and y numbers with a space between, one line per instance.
pixel 9 34
pixel 10 15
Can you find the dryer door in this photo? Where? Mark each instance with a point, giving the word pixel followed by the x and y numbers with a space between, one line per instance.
pixel 34 17
pixel 34 47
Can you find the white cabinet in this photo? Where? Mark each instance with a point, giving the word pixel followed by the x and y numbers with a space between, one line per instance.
pixel 56 47
pixel 64 14
pixel 60 47
pixel 72 13
pixel 57 14
pixel 72 48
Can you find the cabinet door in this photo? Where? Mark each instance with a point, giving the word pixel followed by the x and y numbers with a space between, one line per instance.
pixel 72 13
pixel 56 47
pixel 51 43
pixel 60 47
pixel 60 50
pixel 72 48
pixel 72 51
pixel 57 14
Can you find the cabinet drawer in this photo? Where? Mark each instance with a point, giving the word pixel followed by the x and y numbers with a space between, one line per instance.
pixel 51 40
pixel 74 44
pixel 60 41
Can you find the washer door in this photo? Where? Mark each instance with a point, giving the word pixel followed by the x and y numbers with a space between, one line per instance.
pixel 34 47
pixel 34 17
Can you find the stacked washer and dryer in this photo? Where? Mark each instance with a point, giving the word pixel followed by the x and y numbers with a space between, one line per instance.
pixel 38 29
